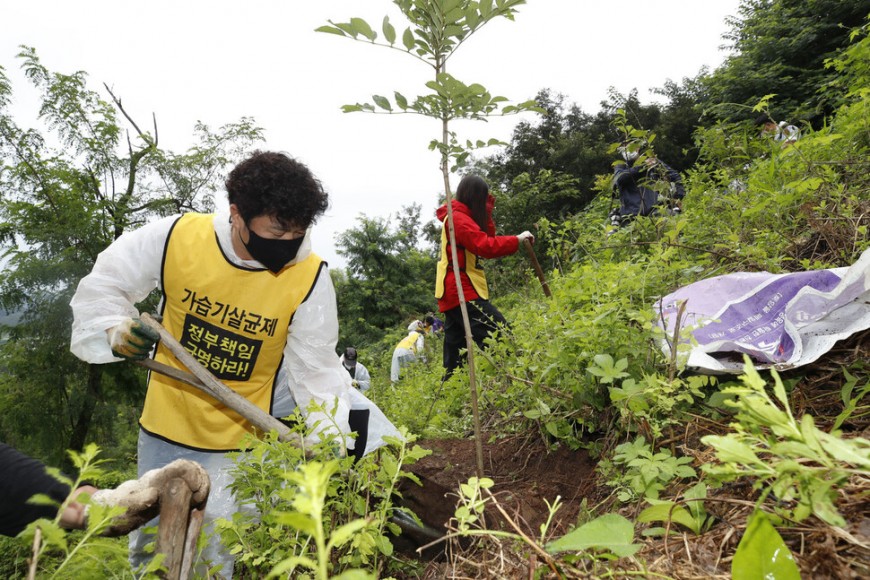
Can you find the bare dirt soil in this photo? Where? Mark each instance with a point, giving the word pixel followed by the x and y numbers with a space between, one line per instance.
pixel 529 472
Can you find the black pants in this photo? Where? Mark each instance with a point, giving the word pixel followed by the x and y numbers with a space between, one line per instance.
pixel 485 319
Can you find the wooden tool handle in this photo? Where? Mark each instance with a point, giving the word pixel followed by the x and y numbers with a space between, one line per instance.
pixel 537 267
pixel 207 383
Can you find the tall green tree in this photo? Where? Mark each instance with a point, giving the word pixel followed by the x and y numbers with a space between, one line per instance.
pixel 389 277
pixel 552 164
pixel 67 191
pixel 780 47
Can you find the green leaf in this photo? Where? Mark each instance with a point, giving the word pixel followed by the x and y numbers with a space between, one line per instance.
pixel 408 39
pixel 297 521
pixel 663 512
pixel 382 102
pixel 848 387
pixel 362 27
pixel 810 433
pixel 762 554
pixel 822 497
pixel 855 451
pixel 696 508
pixel 605 368
pixel 383 543
pixel 388 30
pixel 330 30
pixel 290 564
pixel 471 18
pixel 485 8
pixel 344 533
pixel 610 532
pixel 731 450
pixel 653 532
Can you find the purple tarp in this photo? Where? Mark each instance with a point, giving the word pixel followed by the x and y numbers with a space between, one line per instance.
pixel 779 320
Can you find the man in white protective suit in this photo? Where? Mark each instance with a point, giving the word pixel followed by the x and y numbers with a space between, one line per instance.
pixel 242 292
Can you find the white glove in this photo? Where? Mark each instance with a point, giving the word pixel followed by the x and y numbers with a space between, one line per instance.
pixel 526 235
pixel 132 339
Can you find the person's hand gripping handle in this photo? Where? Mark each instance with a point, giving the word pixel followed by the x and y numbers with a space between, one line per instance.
pixel 132 339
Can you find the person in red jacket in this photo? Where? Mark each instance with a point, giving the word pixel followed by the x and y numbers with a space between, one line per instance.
pixel 475 239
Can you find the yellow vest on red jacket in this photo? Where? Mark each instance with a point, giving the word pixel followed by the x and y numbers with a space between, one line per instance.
pixel 469 265
pixel 234 320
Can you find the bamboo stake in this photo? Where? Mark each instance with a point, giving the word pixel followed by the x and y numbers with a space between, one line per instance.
pixel 463 308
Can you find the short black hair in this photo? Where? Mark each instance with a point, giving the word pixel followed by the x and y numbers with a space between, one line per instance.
pixel 762 119
pixel 275 184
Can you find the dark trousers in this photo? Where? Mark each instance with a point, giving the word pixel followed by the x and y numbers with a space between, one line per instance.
pixel 485 319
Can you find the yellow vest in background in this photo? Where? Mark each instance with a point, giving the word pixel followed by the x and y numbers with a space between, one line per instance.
pixel 234 320
pixel 475 273
pixel 410 342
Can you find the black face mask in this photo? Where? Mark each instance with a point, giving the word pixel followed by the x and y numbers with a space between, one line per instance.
pixel 274 254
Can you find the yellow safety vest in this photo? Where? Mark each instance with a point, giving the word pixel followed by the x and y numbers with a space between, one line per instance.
pixel 234 320
pixel 409 342
pixel 472 269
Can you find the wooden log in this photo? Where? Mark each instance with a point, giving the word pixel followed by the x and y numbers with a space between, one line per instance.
pixel 172 531
pixel 197 514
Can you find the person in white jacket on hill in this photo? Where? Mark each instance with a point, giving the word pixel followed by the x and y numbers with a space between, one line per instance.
pixel 359 374
pixel 243 292
pixel 408 350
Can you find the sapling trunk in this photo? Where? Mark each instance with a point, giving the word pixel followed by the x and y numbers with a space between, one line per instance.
pixel 463 308
pixel 437 30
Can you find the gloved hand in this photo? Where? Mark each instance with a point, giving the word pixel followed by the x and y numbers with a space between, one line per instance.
pixel 355 383
pixel 526 235
pixel 141 497
pixel 132 339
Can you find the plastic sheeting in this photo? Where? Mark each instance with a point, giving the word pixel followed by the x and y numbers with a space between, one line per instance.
pixel 780 320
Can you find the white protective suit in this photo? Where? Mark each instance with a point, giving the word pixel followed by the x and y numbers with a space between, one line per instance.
pixel 408 350
pixel 128 270
pixel 360 374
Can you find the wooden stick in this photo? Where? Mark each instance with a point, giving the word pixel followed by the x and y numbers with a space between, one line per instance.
pixel 217 390
pixel 172 531
pixel 537 268
pixel 173 373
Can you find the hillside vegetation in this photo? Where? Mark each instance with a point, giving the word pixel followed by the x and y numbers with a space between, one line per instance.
pixel 683 474
pixel 585 369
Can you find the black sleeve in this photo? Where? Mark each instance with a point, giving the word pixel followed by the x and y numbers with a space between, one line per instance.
pixel 21 477
pixel 674 177
pixel 623 174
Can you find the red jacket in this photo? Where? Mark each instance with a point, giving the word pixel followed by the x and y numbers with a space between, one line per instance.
pixel 469 236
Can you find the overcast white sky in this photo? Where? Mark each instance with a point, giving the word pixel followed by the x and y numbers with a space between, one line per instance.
pixel 216 61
